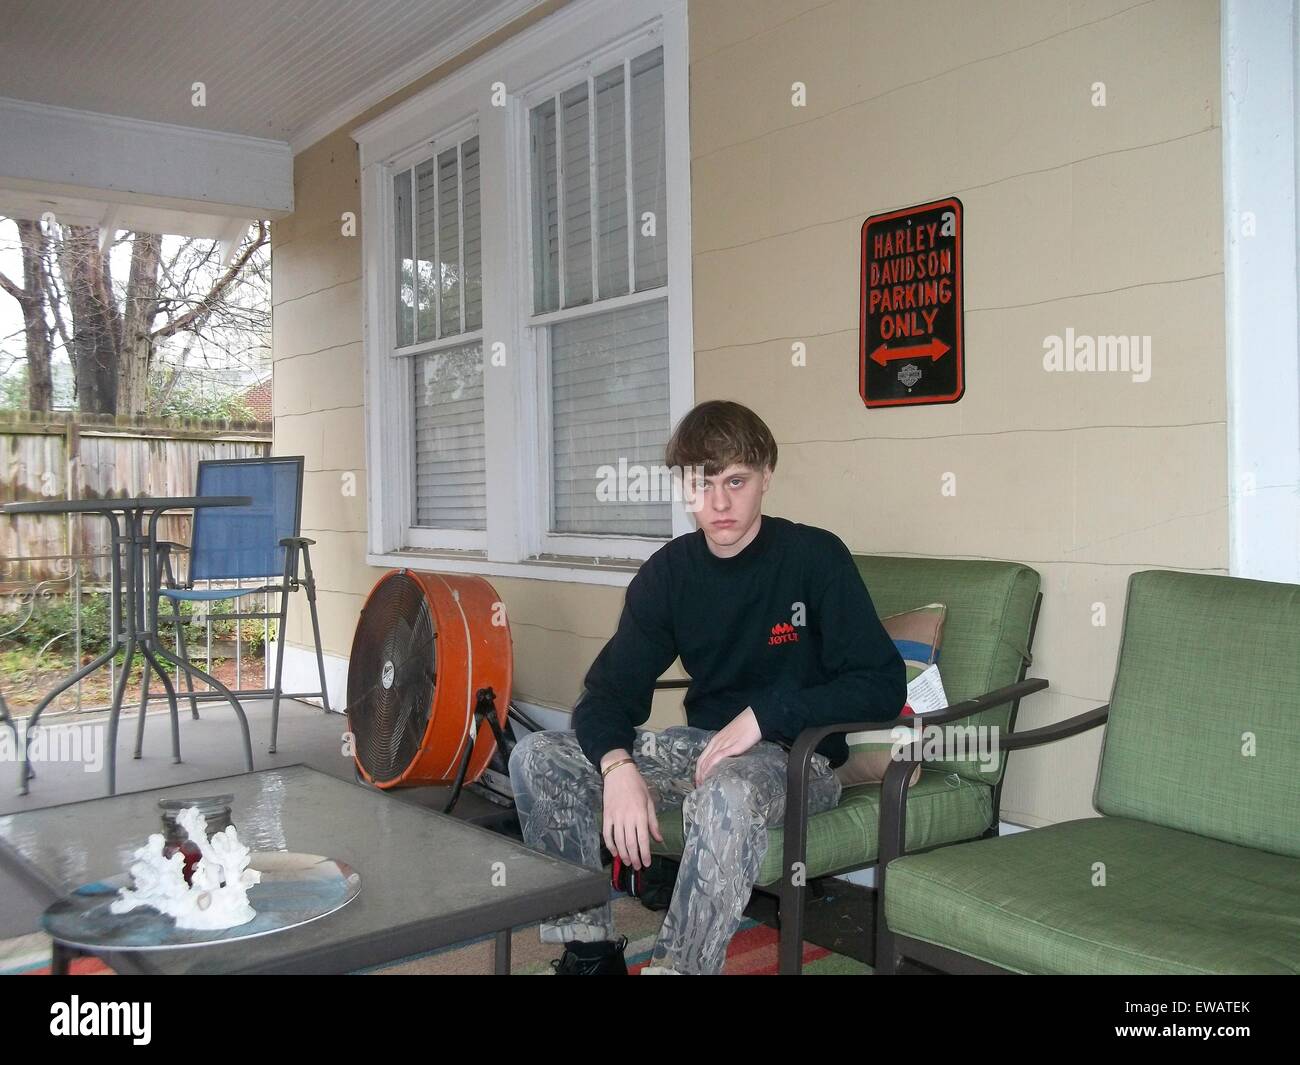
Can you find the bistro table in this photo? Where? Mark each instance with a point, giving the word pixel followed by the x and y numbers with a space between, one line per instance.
pixel 135 577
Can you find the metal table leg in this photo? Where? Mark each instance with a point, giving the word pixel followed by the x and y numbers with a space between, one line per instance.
pixel 25 772
pixel 61 957
pixel 116 643
pixel 501 953
pixel 6 718
pixel 131 596
pixel 194 671
pixel 155 666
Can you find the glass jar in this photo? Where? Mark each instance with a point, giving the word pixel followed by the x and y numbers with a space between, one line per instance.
pixel 215 808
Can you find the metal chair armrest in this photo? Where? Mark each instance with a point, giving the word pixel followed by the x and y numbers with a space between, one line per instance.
pixel 999 697
pixel 1058 730
pixel 893 789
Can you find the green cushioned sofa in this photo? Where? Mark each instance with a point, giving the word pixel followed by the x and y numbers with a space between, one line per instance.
pixel 992 610
pixel 1194 864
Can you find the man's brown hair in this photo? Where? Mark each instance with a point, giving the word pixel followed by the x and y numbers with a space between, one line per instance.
pixel 719 433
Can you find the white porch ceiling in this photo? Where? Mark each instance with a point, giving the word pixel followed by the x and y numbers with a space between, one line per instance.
pixel 98 121
pixel 287 70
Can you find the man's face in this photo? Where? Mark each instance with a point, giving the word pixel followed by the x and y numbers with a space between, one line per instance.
pixel 727 505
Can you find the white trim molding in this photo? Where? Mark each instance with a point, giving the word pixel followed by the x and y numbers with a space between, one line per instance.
pixel 129 160
pixel 597 570
pixel 1261 186
pixel 300 673
pixel 494 91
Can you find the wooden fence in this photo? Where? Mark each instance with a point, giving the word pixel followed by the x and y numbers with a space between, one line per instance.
pixel 78 456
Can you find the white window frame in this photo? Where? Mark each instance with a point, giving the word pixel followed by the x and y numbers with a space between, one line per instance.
pixel 1261 139
pixel 493 93
pixel 622 53
pixel 401 472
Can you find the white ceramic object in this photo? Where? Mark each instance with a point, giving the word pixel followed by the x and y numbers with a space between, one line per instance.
pixel 217 895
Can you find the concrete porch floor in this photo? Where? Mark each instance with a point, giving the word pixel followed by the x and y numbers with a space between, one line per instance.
pixel 210 747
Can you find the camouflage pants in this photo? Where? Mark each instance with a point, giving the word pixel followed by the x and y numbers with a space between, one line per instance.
pixel 725 821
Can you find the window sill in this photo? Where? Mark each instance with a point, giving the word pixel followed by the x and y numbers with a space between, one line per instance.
pixel 615 572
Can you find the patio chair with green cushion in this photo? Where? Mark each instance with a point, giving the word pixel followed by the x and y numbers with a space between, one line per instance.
pixel 1194 864
pixel 992 608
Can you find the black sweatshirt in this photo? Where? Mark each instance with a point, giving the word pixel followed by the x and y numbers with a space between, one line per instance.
pixel 785 627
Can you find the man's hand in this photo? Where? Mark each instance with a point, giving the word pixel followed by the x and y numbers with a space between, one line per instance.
pixel 736 737
pixel 629 812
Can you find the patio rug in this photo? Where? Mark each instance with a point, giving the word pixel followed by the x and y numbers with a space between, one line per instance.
pixel 752 952
pixel 30 956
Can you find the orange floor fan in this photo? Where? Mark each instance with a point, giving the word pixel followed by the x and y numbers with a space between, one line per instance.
pixel 429 685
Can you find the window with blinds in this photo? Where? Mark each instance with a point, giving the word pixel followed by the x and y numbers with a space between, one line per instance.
pixel 599 234
pixel 439 287
pixel 450 486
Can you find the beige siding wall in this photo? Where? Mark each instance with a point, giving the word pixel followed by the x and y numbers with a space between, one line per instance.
pixel 1103 219
pixel 1106 220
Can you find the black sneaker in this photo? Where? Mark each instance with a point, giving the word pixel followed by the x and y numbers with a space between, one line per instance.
pixel 592 959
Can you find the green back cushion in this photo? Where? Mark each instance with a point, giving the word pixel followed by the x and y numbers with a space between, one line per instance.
pixel 1204 729
pixel 990 607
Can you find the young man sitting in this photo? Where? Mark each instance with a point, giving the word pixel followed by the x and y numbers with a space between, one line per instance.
pixel 775 627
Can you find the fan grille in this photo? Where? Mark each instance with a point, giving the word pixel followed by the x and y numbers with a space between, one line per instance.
pixel 391 677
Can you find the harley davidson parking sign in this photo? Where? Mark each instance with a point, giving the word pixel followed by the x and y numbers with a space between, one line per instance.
pixel 910 337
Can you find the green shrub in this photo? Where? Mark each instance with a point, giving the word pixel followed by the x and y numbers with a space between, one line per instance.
pixel 55 615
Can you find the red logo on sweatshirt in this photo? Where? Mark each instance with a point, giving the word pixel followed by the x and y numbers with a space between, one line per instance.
pixel 783 632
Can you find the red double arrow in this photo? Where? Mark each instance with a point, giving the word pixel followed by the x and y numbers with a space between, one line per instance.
pixel 935 349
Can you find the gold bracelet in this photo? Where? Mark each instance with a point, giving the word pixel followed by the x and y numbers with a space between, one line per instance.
pixel 609 769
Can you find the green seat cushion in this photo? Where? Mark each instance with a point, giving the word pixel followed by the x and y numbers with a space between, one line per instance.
pixel 941 808
pixel 990 607
pixel 1204 727
pixel 1172 902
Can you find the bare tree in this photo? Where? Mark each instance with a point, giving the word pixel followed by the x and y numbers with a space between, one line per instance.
pixel 111 335
pixel 31 299
pixel 96 320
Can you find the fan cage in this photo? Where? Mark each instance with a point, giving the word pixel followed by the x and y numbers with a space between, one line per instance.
pixel 391 678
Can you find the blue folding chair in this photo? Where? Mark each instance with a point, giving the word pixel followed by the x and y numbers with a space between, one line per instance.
pixel 261 541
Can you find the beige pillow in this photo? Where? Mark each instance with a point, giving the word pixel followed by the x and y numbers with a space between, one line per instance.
pixel 869 767
pixel 918 635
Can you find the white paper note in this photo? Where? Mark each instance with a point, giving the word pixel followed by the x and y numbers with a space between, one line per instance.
pixel 925 694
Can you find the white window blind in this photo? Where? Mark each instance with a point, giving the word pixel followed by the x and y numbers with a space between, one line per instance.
pixel 438 243
pixel 599 226
pixel 650 260
pixel 612 209
pixel 609 400
pixel 450 480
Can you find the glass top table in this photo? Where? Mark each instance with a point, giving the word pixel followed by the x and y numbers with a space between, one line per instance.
pixel 133 613
pixel 427 880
